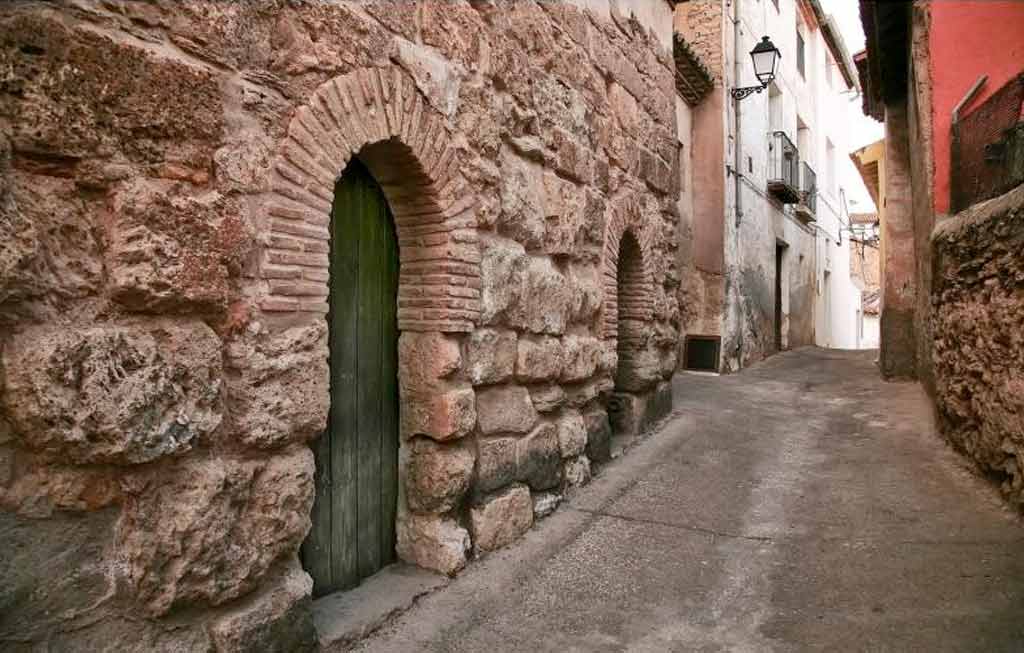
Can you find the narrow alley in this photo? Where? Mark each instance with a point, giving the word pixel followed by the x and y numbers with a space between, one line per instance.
pixel 802 504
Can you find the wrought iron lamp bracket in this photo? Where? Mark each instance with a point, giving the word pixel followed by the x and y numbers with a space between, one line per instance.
pixel 744 91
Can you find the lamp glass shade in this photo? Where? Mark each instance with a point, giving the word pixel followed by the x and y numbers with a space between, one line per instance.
pixel 766 58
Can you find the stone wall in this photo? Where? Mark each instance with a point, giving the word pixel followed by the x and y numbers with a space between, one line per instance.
pixel 978 321
pixel 168 172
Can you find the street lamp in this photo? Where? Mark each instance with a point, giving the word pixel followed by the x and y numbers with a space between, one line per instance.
pixel 766 59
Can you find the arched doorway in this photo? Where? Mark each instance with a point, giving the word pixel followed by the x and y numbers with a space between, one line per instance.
pixel 379 116
pixel 632 313
pixel 353 532
pixel 632 299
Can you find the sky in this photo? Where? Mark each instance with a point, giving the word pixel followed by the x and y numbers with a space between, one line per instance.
pixel 863 130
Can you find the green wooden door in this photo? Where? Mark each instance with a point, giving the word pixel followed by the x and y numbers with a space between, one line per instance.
pixel 353 533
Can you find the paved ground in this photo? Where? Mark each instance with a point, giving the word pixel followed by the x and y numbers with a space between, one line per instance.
pixel 800 505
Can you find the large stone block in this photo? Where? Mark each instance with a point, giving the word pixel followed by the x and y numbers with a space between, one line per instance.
pixel 599 435
pixel 522 216
pixel 206 531
pixel 588 295
pixel 49 248
pixel 569 158
pixel 582 395
pixel 625 108
pixel 502 270
pixel 443 414
pixel 53 570
pixel 456 30
pixel 538 458
pixel 438 475
pixel 572 434
pixel 425 358
pixel 559 107
pixel 582 358
pixel 174 253
pixel 432 542
pixel 39 489
pixel 114 393
pixel 547 398
pixel 540 358
pixel 313 43
pixel 278 387
pixel 564 216
pixel 639 369
pixel 496 463
pixel 80 93
pixel 502 518
pixel 545 299
pixel 275 619
pixel 436 78
pixel 490 356
pixel 505 410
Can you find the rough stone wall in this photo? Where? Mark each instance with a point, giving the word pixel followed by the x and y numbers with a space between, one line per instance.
pixel 978 320
pixel 167 171
pixel 700 23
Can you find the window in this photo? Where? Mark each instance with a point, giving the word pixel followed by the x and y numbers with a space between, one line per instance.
pixel 828 69
pixel 800 54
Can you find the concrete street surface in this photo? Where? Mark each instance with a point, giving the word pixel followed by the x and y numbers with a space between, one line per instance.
pixel 801 505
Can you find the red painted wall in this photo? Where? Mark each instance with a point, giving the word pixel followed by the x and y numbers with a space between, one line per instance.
pixel 969 39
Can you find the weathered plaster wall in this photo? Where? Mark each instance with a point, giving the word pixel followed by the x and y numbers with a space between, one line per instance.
pixel 921 125
pixel 167 176
pixel 763 222
pixel 699 308
pixel 898 353
pixel 978 313
pixel 702 288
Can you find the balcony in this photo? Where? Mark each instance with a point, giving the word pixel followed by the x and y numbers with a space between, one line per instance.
pixel 783 168
pixel 807 207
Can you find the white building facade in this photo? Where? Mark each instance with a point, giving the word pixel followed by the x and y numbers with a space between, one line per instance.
pixel 786 248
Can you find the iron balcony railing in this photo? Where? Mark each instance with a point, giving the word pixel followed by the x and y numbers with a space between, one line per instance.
pixel 808 187
pixel 783 168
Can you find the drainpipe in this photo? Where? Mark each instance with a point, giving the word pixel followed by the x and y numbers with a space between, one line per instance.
pixel 737 166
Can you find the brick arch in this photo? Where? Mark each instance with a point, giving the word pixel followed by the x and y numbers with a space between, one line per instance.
pixel 626 222
pixel 380 116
